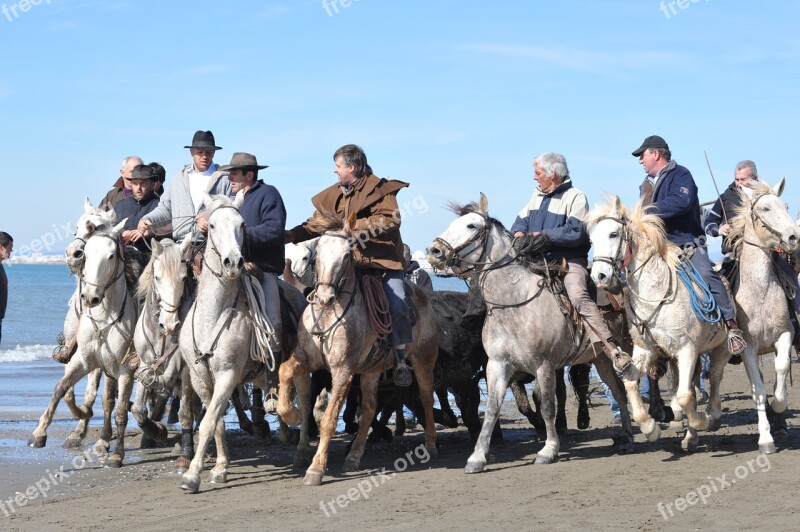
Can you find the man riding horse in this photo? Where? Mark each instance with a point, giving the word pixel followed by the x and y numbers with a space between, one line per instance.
pixel 377 246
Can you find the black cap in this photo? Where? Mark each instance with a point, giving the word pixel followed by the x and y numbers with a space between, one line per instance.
pixel 653 141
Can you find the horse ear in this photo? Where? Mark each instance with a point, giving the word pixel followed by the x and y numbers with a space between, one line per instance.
pixel 350 222
pixel 239 199
pixel 617 204
pixel 483 204
pixel 185 243
pixel 157 248
pixel 87 205
pixel 778 189
pixel 117 229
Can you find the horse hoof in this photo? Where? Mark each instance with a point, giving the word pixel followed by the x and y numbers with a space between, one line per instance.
pixel 544 459
pixel 147 442
pixel 219 478
pixel 101 447
pixel 767 448
pixel 714 424
pixel 689 447
pixel 351 428
pixel 351 465
pixel 780 434
pixel 655 435
pixel 475 467
pixel 192 486
pixel 72 443
pixel 37 442
pixel 261 431
pixel 583 418
pixel 625 446
pixel 182 465
pixel 313 478
pixel 114 461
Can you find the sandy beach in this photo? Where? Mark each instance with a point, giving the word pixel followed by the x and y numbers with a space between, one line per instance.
pixel 726 484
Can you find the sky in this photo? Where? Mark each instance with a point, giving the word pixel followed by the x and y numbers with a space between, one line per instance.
pixel 454 97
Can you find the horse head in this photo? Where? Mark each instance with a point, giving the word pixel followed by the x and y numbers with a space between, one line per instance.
pixel 464 242
pixel 103 265
pixel 609 238
pixel 91 221
pixel 225 235
pixel 302 256
pixel 165 278
pixel 335 263
pixel 767 216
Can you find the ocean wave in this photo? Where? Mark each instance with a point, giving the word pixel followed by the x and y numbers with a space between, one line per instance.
pixel 27 353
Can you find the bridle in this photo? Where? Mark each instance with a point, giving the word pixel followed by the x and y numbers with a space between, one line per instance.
pixel 120 266
pixel 213 246
pixel 456 256
pixel 620 261
pixel 756 218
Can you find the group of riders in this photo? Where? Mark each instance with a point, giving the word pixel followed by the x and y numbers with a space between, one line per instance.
pixel 552 222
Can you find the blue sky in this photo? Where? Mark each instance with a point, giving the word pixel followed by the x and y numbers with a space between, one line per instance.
pixel 455 97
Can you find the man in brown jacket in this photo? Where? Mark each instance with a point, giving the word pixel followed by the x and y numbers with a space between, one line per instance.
pixel 378 243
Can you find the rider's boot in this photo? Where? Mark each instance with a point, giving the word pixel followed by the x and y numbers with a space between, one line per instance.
pixel 736 342
pixel 402 371
pixel 620 359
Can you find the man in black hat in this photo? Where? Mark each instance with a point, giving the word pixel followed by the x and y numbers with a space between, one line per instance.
pixel 669 192
pixel 182 202
pixel 141 202
pixel 265 221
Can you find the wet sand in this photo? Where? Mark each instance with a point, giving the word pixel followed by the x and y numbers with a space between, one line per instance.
pixel 590 487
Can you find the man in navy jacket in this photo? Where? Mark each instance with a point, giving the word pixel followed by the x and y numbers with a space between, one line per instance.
pixel 554 216
pixel 265 221
pixel 673 193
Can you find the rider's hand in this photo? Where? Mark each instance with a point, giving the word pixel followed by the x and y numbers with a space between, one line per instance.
pixel 144 225
pixel 202 223
pixel 724 229
pixel 288 238
pixel 518 234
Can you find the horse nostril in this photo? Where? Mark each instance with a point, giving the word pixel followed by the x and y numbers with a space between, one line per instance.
pixel 227 263
pixel 601 276
pixel 240 264
pixel 77 255
pixel 435 251
pixel 95 300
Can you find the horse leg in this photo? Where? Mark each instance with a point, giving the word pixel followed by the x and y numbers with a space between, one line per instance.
pixel 351 407
pixel 719 359
pixel 186 416
pixel 306 402
pixel 498 375
pixel 524 405
pixel 425 379
pixel 244 422
pixel 219 474
pixel 605 368
pixel 687 360
pixel 766 444
pixel 561 403
pixel 260 426
pixel 783 348
pixel 468 401
pixel 287 373
pixel 153 430
pixel 449 418
pixel 102 445
pixel 125 387
pixel 545 375
pixel 579 375
pixel 84 413
pixel 647 425
pixel 214 400
pixel 74 372
pixel 341 381
pixel 658 409
pixel 369 400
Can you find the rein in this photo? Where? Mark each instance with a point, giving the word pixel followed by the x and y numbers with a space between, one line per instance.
pixel 121 267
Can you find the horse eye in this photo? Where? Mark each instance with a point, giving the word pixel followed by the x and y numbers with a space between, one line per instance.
pixel 211 226
pixel 157 277
pixel 241 225
pixel 614 235
pixel 471 226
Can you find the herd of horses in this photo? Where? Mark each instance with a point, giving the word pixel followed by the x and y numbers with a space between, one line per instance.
pixel 154 327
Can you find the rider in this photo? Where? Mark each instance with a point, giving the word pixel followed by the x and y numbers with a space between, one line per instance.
pixel 379 246
pixel 674 199
pixel 141 202
pixel 553 219
pixel 265 221
pixel 183 199
pixel 717 224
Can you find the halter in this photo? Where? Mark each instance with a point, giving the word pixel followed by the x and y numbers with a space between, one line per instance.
pixel 619 262
pixel 337 287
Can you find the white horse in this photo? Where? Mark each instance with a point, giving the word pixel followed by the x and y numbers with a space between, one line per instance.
pixel 525 328
pixel 658 307
pixel 104 335
pixel 761 225
pixel 215 339
pixel 302 256
pixel 162 286
pixel 91 221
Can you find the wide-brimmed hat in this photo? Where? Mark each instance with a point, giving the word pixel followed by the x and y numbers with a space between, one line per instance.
pixel 242 160
pixel 143 171
pixel 653 141
pixel 204 140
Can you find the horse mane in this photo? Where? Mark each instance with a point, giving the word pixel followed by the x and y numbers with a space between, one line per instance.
pixel 217 201
pixel 171 261
pixel 472 207
pixel 322 222
pixel 647 229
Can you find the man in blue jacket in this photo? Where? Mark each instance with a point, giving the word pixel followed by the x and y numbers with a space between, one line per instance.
pixel 265 221
pixel 553 218
pixel 673 198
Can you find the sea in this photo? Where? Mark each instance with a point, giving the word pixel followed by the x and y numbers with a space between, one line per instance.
pixel 37 304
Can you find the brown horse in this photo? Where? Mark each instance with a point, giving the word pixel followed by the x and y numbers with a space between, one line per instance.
pixel 335 332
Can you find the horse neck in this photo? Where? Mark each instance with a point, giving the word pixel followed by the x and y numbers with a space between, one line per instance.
pixel 498 251
pixel 114 296
pixel 755 264
pixel 646 273
pixel 215 294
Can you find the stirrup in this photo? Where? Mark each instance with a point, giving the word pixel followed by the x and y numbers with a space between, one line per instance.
pixel 736 342
pixel 622 360
pixel 271 401
pixel 402 374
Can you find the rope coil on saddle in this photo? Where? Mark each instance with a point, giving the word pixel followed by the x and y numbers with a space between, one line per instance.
pixel 377 305
pixel 702 300
pixel 263 330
